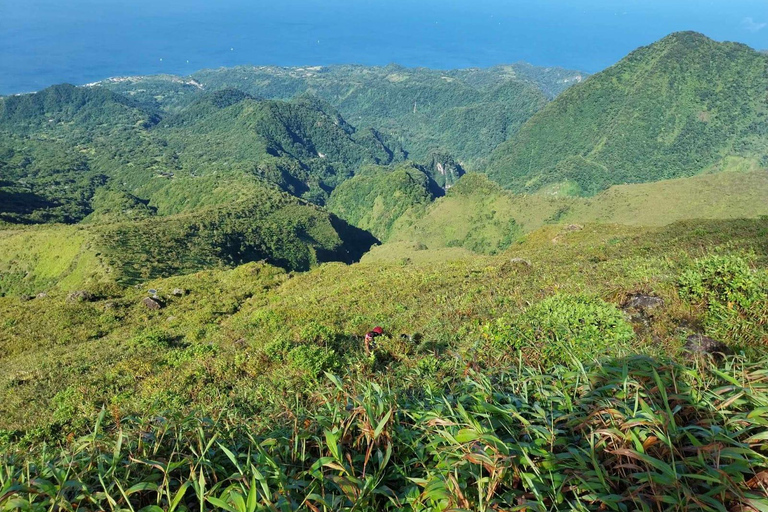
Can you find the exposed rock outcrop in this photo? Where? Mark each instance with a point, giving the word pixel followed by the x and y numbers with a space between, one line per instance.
pixel 152 304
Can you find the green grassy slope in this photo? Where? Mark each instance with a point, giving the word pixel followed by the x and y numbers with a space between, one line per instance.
pixel 35 259
pixel 539 351
pixel 480 216
pixel 253 339
pixel 671 109
pixel 415 453
pixel 726 195
pixel 472 215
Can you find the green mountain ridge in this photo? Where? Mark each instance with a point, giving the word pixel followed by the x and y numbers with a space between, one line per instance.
pixel 66 103
pixel 425 110
pixel 303 146
pixel 671 109
pixel 81 134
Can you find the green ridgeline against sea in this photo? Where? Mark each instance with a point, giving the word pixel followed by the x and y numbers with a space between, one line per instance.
pixel 570 275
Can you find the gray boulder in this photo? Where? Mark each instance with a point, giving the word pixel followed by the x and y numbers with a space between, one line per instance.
pixel 151 304
pixel 642 307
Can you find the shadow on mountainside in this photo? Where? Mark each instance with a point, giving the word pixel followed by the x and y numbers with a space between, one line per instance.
pixel 14 203
pixel 355 243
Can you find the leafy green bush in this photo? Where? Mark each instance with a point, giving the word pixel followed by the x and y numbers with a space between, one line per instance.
pixel 317 332
pixel 721 279
pixel 312 359
pixel 563 328
pixel 734 296
pixel 278 349
pixel 152 338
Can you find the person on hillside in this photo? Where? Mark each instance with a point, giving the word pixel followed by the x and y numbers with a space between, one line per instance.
pixel 370 336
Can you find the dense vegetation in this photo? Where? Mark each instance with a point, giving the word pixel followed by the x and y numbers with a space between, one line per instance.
pixel 466 112
pixel 88 154
pixel 188 270
pixel 671 109
pixel 519 438
pixel 249 347
pixel 303 146
pixel 377 197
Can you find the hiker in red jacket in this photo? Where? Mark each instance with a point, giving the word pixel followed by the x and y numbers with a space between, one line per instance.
pixel 369 337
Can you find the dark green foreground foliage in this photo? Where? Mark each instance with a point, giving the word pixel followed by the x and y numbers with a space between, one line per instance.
pixel 629 434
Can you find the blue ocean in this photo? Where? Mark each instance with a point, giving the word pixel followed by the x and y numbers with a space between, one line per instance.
pixel 43 42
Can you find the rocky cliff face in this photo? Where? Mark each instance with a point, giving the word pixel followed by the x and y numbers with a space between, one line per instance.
pixel 444 170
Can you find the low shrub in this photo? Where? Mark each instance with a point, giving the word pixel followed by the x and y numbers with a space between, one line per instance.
pixel 733 295
pixel 564 328
pixel 725 279
pixel 152 338
pixel 313 359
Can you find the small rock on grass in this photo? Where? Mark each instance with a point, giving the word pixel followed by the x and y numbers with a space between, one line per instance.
pixel 700 344
pixel 643 303
pixel 520 261
pixel 151 303
pixel 80 296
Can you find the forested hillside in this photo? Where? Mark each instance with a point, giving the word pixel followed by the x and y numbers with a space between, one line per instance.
pixel 212 185
pixel 377 197
pixel 465 112
pixel 675 108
